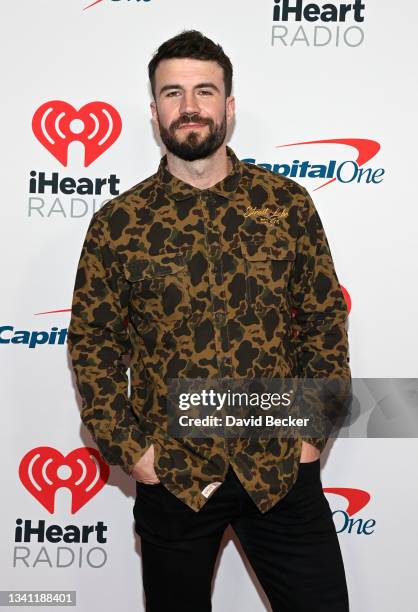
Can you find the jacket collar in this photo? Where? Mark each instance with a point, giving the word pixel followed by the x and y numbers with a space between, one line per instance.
pixel 179 190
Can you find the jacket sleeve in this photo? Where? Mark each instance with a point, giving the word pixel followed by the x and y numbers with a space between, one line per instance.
pixel 98 340
pixel 319 324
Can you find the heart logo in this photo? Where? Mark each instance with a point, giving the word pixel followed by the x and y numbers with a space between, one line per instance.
pixel 347 298
pixel 86 474
pixel 99 125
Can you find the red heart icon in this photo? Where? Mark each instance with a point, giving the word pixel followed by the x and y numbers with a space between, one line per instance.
pixel 52 126
pixel 347 298
pixel 38 472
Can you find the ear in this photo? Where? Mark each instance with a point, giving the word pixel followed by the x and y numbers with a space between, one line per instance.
pixel 154 113
pixel 230 108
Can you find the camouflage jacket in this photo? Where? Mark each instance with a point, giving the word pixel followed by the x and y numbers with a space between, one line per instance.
pixel 197 283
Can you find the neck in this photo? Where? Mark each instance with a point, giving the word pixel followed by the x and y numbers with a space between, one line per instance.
pixel 202 173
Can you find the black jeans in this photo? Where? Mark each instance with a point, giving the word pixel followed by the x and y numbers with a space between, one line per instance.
pixel 293 548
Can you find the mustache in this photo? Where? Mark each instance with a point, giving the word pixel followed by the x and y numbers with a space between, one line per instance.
pixel 192 118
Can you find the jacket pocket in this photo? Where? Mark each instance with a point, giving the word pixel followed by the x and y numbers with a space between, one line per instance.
pixel 159 287
pixel 268 264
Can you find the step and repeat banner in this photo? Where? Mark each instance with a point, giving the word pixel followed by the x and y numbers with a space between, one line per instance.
pixel 326 93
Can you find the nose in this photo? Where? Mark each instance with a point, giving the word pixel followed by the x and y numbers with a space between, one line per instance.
pixel 189 103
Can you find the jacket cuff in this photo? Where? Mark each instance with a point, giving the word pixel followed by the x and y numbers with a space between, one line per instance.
pixel 123 449
pixel 132 457
pixel 318 443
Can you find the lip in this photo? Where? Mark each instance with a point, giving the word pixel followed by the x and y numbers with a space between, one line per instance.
pixel 189 126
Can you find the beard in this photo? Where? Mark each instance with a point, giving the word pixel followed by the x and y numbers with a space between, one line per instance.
pixel 194 147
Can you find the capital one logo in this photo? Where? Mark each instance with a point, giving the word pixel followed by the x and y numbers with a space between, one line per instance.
pixel 95 2
pixel 350 170
pixel 346 520
pixel 56 124
pixel 345 171
pixel 92 4
pixel 44 470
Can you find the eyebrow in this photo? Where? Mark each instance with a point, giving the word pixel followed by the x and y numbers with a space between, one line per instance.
pixel 199 86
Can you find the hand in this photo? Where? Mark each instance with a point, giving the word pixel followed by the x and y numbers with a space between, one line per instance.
pixel 144 468
pixel 309 453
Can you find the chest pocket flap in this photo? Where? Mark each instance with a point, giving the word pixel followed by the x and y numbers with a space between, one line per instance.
pixel 268 266
pixel 159 287
pixel 271 246
pixel 154 266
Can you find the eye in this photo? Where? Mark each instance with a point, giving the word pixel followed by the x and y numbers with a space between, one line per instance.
pixel 205 92
pixel 171 94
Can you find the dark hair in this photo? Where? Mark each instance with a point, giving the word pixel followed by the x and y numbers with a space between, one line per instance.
pixel 191 44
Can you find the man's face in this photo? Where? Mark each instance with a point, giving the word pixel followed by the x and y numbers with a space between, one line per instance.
pixel 190 109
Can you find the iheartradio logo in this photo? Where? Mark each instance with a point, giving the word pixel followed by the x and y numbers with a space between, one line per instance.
pixel 44 470
pixel 56 124
pixel 347 298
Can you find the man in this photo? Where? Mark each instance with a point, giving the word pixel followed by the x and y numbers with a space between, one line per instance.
pixel 196 272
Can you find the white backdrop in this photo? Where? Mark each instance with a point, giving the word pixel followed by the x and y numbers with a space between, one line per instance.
pixel 288 90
